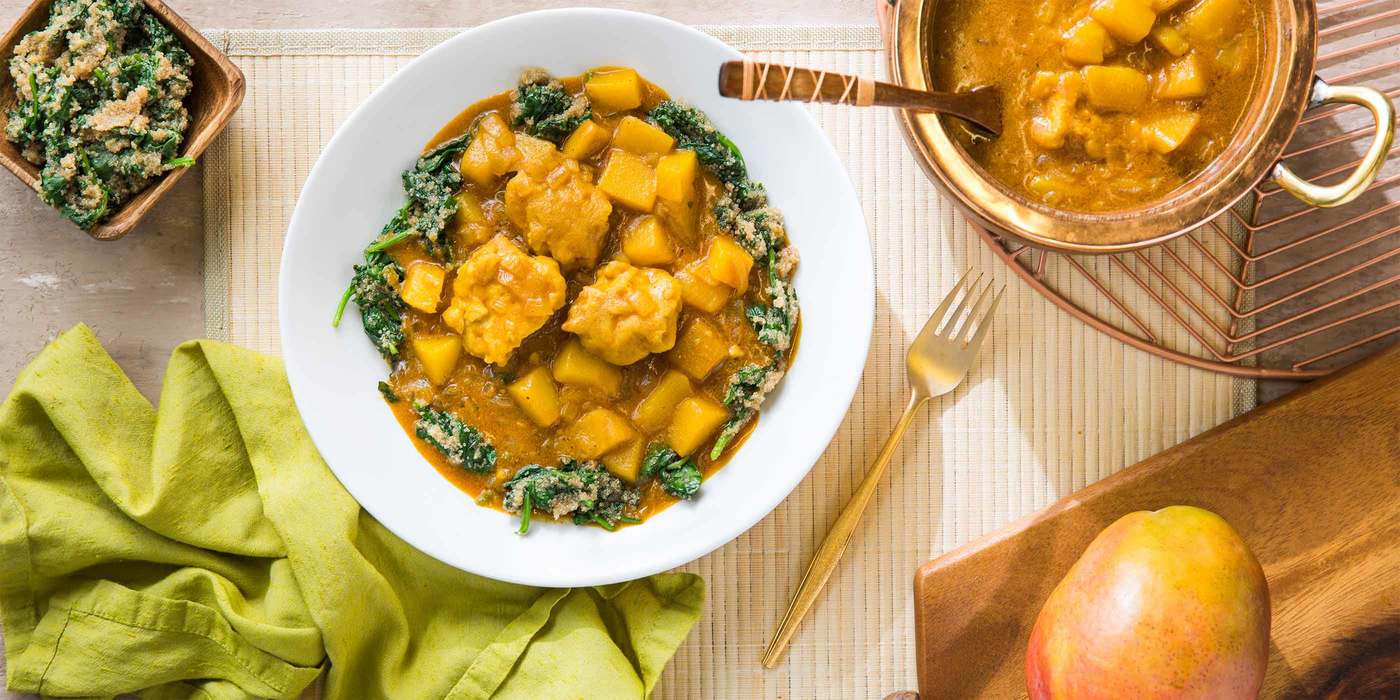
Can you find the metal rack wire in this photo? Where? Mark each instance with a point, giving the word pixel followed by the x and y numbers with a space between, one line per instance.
pixel 1274 289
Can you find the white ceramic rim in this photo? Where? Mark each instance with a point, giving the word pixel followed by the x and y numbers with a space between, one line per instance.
pixel 355 180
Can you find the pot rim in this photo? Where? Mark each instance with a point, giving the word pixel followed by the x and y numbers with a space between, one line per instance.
pixel 1286 82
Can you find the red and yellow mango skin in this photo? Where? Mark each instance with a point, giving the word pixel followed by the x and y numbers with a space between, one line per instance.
pixel 1163 605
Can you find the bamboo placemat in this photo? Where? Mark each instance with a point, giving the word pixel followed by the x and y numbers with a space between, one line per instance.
pixel 1051 405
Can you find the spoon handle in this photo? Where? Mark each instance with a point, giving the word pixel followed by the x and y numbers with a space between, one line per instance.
pixel 756 80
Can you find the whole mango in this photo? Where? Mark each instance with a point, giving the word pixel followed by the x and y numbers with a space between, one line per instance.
pixel 1167 604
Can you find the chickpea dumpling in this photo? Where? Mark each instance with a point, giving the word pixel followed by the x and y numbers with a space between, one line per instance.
pixel 553 200
pixel 500 296
pixel 627 313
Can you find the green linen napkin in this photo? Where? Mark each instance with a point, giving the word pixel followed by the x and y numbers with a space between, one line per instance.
pixel 203 549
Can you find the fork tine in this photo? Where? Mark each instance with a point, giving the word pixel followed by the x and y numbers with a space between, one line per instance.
pixel 985 324
pixel 965 328
pixel 936 318
pixel 961 307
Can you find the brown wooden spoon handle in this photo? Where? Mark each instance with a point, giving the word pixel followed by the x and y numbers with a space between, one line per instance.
pixel 755 80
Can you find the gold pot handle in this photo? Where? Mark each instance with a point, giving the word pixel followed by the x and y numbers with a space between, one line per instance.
pixel 1365 173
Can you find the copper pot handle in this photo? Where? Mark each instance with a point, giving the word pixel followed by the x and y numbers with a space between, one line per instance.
pixel 1355 184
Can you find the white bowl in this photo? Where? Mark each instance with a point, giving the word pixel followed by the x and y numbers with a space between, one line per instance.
pixel 355 188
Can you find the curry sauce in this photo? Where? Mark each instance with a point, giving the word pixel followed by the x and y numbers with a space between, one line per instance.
pixel 1107 104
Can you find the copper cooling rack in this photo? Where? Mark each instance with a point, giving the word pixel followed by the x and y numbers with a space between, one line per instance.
pixel 1274 289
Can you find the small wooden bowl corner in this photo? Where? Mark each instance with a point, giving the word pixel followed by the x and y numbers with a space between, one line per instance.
pixel 218 92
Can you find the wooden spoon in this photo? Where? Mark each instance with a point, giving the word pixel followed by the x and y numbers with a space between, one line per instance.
pixel 752 80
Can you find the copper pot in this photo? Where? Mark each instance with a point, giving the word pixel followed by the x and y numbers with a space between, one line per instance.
pixel 1288 88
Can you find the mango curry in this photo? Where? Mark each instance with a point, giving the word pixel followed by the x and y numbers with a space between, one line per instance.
pixel 583 301
pixel 1108 104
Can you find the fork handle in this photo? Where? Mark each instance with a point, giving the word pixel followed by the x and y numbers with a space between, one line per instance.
pixel 831 549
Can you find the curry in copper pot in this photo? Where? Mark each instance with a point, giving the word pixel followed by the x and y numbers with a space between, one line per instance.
pixel 583 302
pixel 1108 104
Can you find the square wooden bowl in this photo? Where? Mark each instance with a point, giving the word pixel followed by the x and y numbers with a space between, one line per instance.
pixel 215 95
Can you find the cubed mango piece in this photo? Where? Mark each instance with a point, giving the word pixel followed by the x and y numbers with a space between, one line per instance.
pixel 654 411
pixel 491 153
pixel 614 90
pixel 1212 20
pixel 438 355
pixel 1231 59
pixel 626 462
pixel 647 244
pixel 1183 79
pixel 575 365
pixel 1115 88
pixel 1084 42
pixel 1047 185
pixel 728 263
pixel 637 136
pixel 675 176
pixel 629 181
pixel 587 139
pixel 699 349
pixel 698 290
pixel 1163 6
pixel 597 433
pixel 470 225
pixel 537 397
pixel 696 419
pixel 1166 133
pixel 1042 84
pixel 677 191
pixel 535 151
pixel 1049 128
pixel 422 285
pixel 1170 40
pixel 1126 20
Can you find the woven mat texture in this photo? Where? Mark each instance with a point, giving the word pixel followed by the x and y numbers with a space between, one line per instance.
pixel 1051 406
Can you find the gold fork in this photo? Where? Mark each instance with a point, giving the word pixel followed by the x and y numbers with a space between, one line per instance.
pixel 937 362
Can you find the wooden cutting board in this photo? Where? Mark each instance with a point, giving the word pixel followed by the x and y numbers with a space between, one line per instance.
pixel 1312 482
